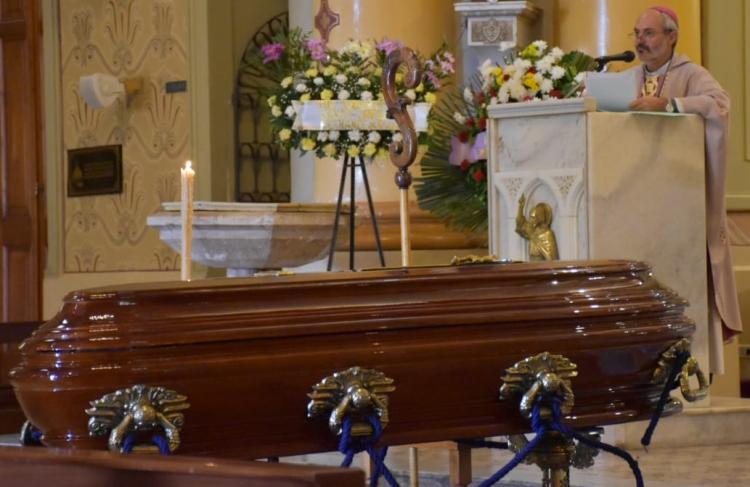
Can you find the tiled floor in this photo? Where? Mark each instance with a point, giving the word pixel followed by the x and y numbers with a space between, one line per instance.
pixel 682 467
pixel 723 466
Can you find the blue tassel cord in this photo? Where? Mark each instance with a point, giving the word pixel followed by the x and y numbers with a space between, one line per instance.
pixel 542 426
pixel 350 446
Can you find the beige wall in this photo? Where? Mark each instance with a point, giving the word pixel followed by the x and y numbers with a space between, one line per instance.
pixel 137 38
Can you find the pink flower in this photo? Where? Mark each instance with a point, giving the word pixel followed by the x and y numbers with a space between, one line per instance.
pixel 272 52
pixel 317 49
pixel 388 46
pixel 433 79
pixel 447 66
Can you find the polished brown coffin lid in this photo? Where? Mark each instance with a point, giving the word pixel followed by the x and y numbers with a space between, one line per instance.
pixel 205 311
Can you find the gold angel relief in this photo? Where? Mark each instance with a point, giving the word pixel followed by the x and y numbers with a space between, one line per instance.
pixel 537 229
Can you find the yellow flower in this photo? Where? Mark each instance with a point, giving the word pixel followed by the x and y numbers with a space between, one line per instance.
pixel 326 94
pixel 530 51
pixel 499 80
pixel 305 97
pixel 329 150
pixel 497 71
pixel 529 81
pixel 399 78
pixel 419 88
pixel 430 98
pixel 311 73
pixel 286 82
pixel 308 144
pixel 329 70
pixel 353 151
pixel 272 101
pixel 285 134
pixel 382 152
pixel 370 150
pixel 378 71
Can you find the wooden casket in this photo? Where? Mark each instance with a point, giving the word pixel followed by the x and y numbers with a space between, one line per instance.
pixel 247 352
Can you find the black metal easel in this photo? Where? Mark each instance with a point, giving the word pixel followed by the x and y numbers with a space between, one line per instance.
pixel 351 162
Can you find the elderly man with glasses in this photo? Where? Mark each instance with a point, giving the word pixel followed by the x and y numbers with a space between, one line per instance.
pixel 670 82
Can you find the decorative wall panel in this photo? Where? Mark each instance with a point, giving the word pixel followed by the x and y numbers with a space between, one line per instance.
pixel 144 39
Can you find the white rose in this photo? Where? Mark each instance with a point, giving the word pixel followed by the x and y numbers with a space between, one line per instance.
pixel 557 72
pixel 459 118
pixel 556 53
pixel 355 135
pixel 322 136
pixel 318 81
pixel 468 96
pixel 374 137
pixel 503 94
pixel 363 82
pixel 343 95
pixel 340 79
pixel 333 135
pixel 547 85
pixel 397 137
pixel 410 94
pixel 301 88
pixel 541 45
pixel 289 112
pixel 580 77
pixel 365 95
pixel 285 134
pixel 493 100
pixel 276 111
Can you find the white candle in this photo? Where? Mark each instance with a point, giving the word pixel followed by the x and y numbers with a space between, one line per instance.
pixel 186 215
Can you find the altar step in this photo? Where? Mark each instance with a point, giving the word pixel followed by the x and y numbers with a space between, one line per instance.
pixel 724 422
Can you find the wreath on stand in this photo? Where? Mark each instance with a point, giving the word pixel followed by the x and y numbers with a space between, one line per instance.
pixel 453 185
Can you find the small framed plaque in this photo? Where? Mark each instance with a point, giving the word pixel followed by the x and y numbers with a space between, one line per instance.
pixel 95 170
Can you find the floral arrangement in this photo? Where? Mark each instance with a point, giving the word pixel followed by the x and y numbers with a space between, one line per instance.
pixel 453 185
pixel 308 71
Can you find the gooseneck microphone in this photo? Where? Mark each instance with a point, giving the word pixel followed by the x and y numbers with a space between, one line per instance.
pixel 627 56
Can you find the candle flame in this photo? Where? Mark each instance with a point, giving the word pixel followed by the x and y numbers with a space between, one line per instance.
pixel 188 164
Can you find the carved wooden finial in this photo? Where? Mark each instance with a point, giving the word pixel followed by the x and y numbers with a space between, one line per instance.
pixel 402 153
pixel 325 20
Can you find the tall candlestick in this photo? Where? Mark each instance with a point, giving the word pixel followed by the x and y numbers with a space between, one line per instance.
pixel 186 215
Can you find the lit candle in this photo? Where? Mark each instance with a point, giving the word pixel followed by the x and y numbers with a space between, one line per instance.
pixel 186 215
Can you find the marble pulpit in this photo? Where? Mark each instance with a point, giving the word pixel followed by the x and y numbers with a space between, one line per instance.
pixel 620 185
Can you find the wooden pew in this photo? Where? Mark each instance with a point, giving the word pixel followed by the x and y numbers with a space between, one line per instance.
pixel 30 467
pixel 11 336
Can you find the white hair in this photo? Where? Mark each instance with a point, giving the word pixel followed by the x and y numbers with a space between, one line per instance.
pixel 668 23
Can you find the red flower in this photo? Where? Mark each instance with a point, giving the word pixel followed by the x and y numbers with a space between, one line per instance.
pixel 482 123
pixel 479 97
pixel 532 70
pixel 463 136
pixel 478 175
pixel 465 165
pixel 469 122
pixel 555 94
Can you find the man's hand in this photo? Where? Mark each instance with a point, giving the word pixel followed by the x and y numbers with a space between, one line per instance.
pixel 650 104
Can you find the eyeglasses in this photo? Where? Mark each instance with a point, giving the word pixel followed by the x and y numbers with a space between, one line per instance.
pixel 647 34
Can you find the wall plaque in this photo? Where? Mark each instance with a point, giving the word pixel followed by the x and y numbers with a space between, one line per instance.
pixel 95 170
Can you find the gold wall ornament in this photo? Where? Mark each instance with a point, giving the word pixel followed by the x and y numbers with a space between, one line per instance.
pixel 537 229
pixel 690 368
pixel 140 408
pixel 357 392
pixel 542 374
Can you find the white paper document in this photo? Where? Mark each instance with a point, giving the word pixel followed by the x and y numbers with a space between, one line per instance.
pixel 614 92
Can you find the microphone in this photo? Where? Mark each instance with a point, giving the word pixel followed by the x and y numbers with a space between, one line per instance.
pixel 627 56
